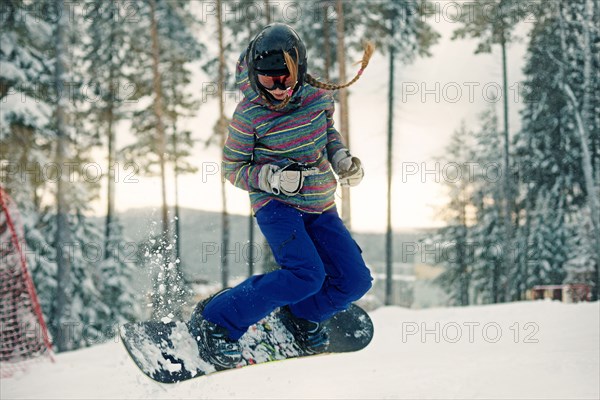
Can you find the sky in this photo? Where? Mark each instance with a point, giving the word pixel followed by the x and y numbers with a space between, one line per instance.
pixel 433 96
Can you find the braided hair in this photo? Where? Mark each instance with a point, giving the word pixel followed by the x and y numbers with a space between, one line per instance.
pixel 292 65
pixel 368 52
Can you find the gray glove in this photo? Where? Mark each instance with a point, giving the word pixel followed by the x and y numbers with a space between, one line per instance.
pixel 349 169
pixel 287 180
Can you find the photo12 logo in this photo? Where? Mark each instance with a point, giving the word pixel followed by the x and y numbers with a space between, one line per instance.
pixel 52 172
pixel 249 12
pixel 71 11
pixel 469 332
pixel 455 92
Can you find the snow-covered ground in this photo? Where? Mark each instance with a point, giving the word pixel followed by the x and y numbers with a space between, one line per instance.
pixel 536 350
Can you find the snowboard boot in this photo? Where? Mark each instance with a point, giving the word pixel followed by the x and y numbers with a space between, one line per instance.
pixel 312 337
pixel 214 339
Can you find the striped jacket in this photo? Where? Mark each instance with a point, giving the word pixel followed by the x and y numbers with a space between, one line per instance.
pixel 301 132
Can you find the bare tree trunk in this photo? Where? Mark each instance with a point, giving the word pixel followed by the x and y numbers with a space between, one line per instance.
pixel 222 131
pixel 343 98
pixel 62 235
pixel 177 227
pixel 508 193
pixel 389 231
pixel 110 184
pixel 110 191
pixel 162 145
pixel 158 114
pixel 326 40
pixel 462 247
pixel 267 12
pixel 251 241
pixel 177 277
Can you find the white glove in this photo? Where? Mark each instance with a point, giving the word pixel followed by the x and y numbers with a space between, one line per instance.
pixel 349 169
pixel 287 180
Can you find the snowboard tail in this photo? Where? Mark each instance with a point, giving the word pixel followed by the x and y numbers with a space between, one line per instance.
pixel 168 353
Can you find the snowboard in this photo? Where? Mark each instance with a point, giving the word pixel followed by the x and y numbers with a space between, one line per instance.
pixel 168 353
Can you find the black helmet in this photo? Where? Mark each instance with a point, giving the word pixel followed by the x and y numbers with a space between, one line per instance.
pixel 265 53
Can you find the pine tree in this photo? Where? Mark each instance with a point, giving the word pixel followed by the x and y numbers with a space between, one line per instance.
pixel 26 77
pixel 580 267
pixel 26 136
pixel 87 316
pixel 167 28
pixel 550 150
pixel 490 279
pixel 580 57
pixel 407 35
pixel 117 272
pixel 454 238
pixel 493 22
pixel 180 104
pixel 63 244
pixel 62 234
pixel 110 67
pixel 317 29
pixel 109 70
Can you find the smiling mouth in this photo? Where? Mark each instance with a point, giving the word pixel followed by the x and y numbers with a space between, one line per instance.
pixel 278 94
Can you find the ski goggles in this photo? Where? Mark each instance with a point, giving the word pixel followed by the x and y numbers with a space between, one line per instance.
pixel 282 82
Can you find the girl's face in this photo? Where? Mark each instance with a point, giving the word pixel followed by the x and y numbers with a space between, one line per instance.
pixel 276 85
pixel 275 82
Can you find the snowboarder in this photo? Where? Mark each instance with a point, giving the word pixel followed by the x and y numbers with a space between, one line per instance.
pixel 281 148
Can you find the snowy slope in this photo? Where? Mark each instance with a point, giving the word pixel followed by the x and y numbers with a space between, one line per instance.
pixel 476 354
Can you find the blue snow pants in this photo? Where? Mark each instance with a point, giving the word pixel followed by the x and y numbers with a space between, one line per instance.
pixel 322 271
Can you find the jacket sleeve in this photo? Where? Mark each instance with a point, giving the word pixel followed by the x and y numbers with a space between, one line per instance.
pixel 334 139
pixel 238 166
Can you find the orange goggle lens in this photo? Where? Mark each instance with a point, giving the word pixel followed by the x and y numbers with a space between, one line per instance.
pixel 275 82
